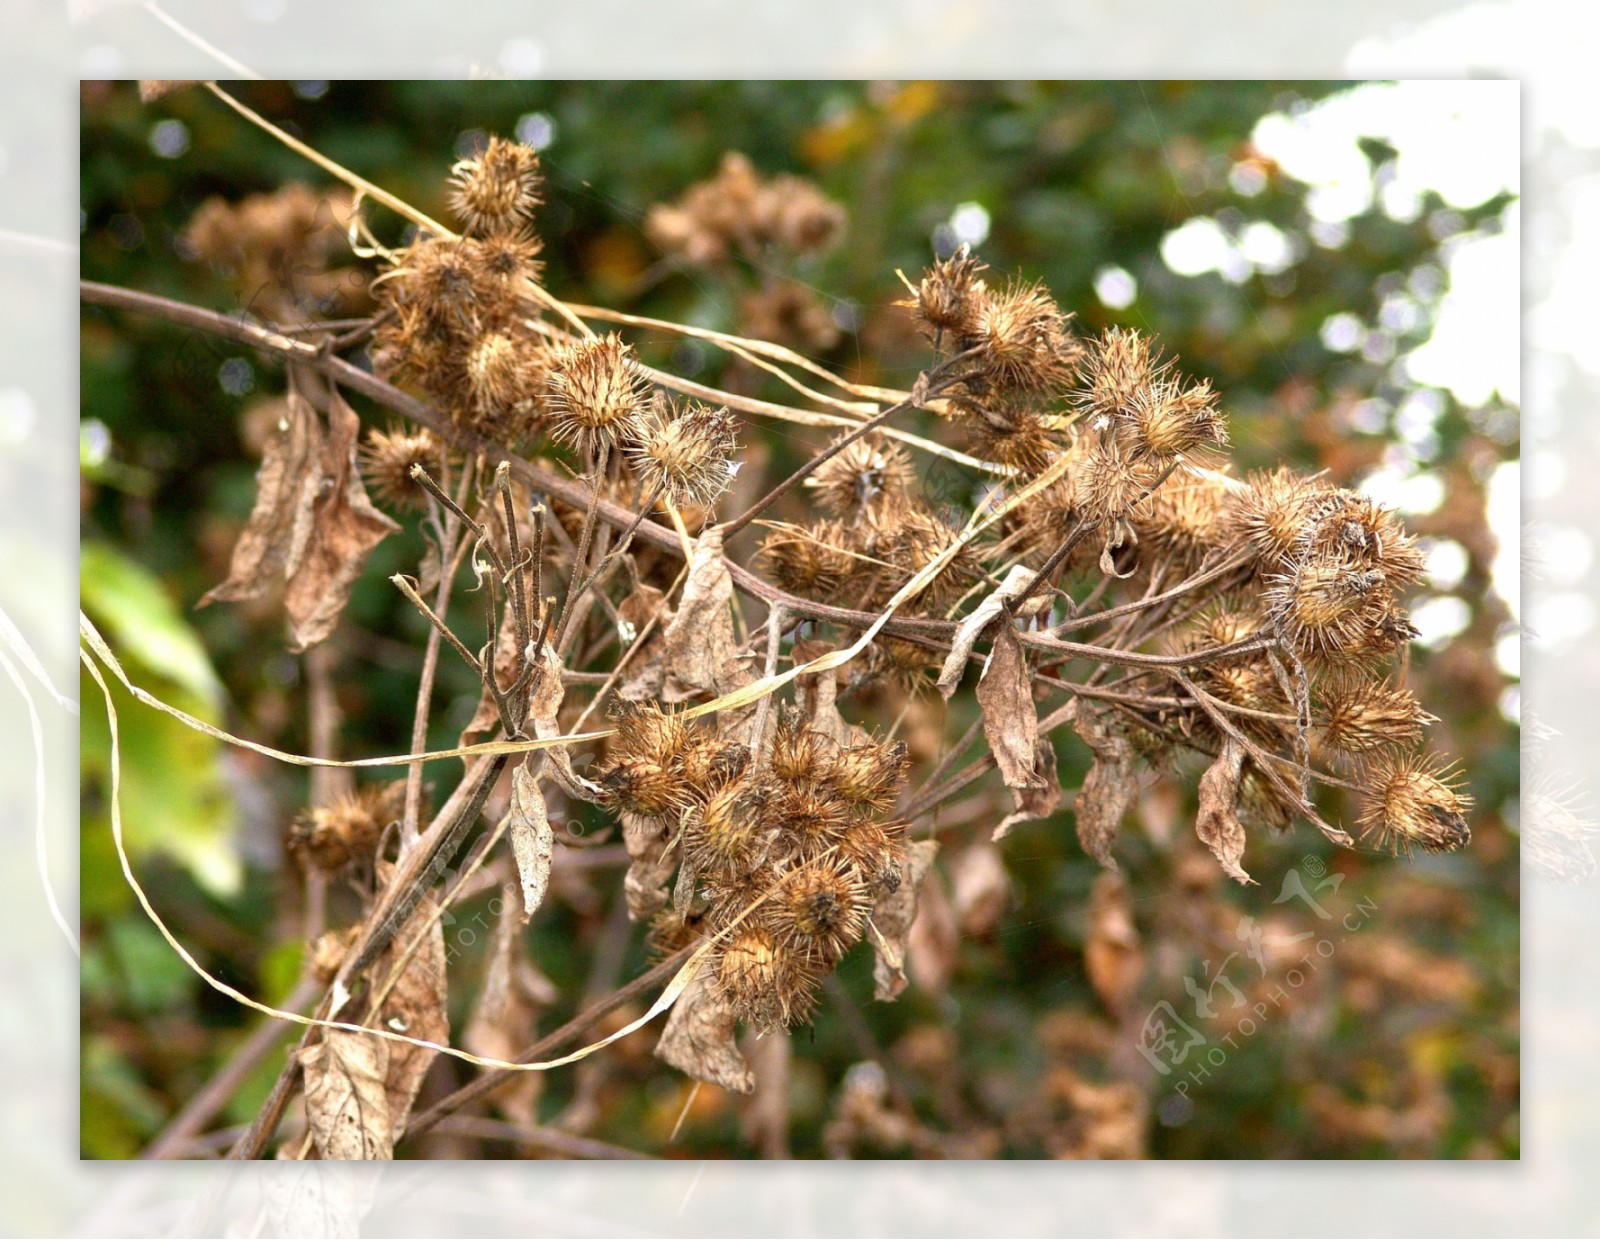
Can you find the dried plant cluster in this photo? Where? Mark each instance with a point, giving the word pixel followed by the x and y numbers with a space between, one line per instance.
pixel 1247 635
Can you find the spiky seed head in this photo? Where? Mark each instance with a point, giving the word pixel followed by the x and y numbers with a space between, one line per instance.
pixel 814 562
pixel 500 373
pixel 1020 440
pixel 331 836
pixel 800 754
pixel 595 392
pixel 820 910
pixel 869 776
pixel 1165 421
pixel 949 297
pixel 511 258
pixel 387 458
pixel 683 451
pixel 643 730
pixel 1414 801
pixel 1024 342
pixel 1328 608
pixel 1188 516
pixel 1271 515
pixel 645 788
pixel 1109 486
pixel 1359 717
pixel 712 764
pixel 727 839
pixel 874 851
pixel 1118 369
pixel 497 191
pixel 769 989
pixel 864 475
pixel 1344 524
pixel 809 820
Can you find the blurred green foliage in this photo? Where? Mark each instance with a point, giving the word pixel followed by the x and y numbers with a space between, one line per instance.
pixel 1074 178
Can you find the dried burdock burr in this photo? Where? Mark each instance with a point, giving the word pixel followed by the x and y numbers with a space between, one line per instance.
pixel 1414 801
pixel 949 298
pixel 862 477
pixel 1357 717
pixel 683 452
pixel 496 191
pixel 595 393
pixel 387 458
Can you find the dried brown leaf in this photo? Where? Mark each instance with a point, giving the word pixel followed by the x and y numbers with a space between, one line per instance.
pixel 700 652
pixel 273 539
pixel 347 1106
pixel 1010 722
pixel 544 707
pixel 312 527
pixel 1217 821
pixel 699 1037
pixel 504 1020
pixel 1039 802
pixel 971 628
pixel 532 840
pixel 1112 956
pixel 416 1005
pixel 645 884
pixel 935 938
pixel 892 919
pixel 1108 789
pixel 345 528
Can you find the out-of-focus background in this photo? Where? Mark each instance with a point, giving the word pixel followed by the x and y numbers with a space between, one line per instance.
pixel 1340 260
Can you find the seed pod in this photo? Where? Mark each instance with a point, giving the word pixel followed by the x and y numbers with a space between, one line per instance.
pixel 647 788
pixel 727 839
pixel 819 911
pixel 1272 514
pixel 949 297
pixel 1017 439
pixel 1118 369
pixel 1349 526
pixel 868 777
pixel 874 851
pixel 862 477
pixel 331 836
pixel 800 754
pixel 768 988
pixel 387 458
pixel 814 562
pixel 595 392
pixel 1359 717
pixel 497 191
pixel 683 452
pixel 1165 421
pixel 1023 340
pixel 1414 801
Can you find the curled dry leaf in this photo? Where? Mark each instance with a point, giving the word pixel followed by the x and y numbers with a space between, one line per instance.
pixel 347 1106
pixel 1108 789
pixel 934 939
pixel 892 918
pixel 416 1005
pixel 699 1037
pixel 645 884
pixel 1112 955
pixel 1217 821
pixel 700 653
pixel 312 527
pixel 1010 722
pixel 983 615
pixel 532 840
pixel 1036 802
pixel 544 705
